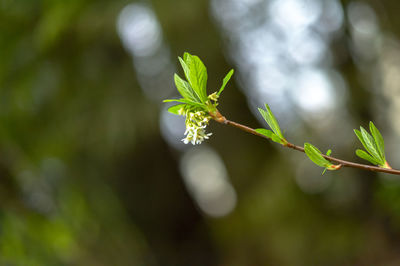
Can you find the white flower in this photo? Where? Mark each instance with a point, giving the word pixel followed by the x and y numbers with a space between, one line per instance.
pixel 195 127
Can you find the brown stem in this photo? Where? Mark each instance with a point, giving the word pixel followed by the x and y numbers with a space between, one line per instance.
pixel 221 119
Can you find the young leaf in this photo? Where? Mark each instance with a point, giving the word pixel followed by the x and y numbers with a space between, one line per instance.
pixel 175 109
pixel 269 134
pixel 186 55
pixel 277 139
pixel 364 155
pixel 185 90
pixel 369 141
pixel 360 137
pixel 265 132
pixel 378 139
pixel 187 72
pixel 328 152
pixel 185 68
pixel 183 100
pixel 366 142
pixel 225 81
pixel 271 120
pixel 315 155
pixel 373 144
pixel 196 74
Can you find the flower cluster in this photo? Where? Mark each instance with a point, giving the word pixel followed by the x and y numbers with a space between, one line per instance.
pixel 196 122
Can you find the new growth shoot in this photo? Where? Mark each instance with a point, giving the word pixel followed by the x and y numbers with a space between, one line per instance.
pixel 199 108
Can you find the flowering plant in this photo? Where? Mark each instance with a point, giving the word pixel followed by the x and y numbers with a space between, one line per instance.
pixel 199 108
pixel 195 104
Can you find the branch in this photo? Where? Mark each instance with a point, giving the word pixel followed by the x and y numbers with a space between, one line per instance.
pixel 221 119
pixel 200 108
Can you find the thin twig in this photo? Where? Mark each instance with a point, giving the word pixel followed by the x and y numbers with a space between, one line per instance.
pixel 221 119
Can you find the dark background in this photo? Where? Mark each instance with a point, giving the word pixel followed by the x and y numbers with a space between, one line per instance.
pixel 92 170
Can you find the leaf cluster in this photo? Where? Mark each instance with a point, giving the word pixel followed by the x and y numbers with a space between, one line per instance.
pixel 276 135
pixel 373 144
pixel 194 89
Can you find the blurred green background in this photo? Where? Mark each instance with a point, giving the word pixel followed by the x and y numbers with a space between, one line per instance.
pixel 92 170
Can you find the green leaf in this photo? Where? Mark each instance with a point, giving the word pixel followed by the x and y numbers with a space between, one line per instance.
pixel 315 155
pixel 186 55
pixel 225 81
pixel 185 68
pixel 183 100
pixel 271 120
pixel 378 140
pixel 180 100
pixel 374 145
pixel 175 109
pixel 277 139
pixel 328 152
pixel 187 72
pixel 360 137
pixel 271 135
pixel 364 155
pixel 266 132
pixel 185 90
pixel 370 142
pixel 196 74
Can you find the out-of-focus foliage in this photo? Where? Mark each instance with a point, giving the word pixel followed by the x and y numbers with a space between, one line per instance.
pixel 67 113
pixel 87 179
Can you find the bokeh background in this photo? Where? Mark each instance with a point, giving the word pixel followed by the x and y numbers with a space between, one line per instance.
pixel 92 169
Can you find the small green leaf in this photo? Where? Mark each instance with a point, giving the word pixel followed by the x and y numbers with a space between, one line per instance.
pixel 196 74
pixel 185 90
pixel 185 68
pixel 328 152
pixel 370 142
pixel 378 140
pixel 271 135
pixel 271 120
pixel 180 100
pixel 364 155
pixel 187 72
pixel 186 56
pixel 225 81
pixel 183 100
pixel 373 144
pixel 277 139
pixel 360 137
pixel 315 155
pixel 175 109
pixel 266 132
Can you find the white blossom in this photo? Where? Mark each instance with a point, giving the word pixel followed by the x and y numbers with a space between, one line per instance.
pixel 196 122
